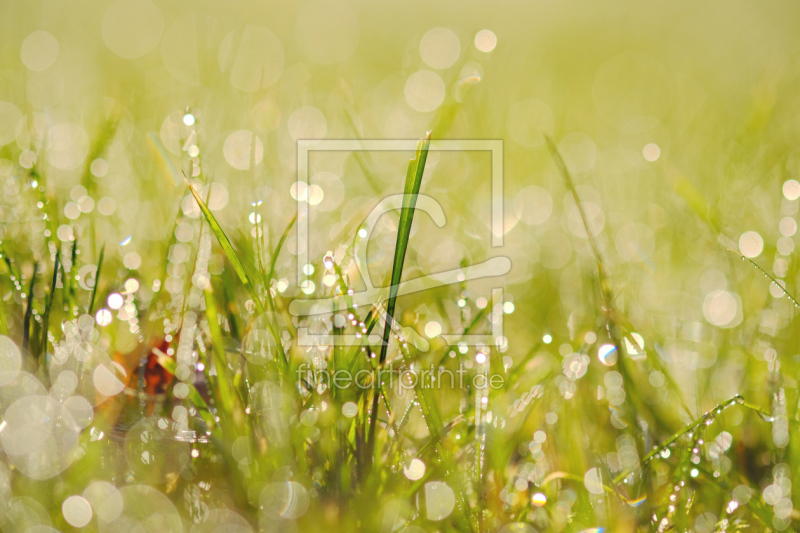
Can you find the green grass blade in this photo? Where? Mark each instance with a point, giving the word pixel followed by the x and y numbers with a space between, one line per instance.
pixel 227 396
pixel 230 253
pixel 767 275
pixel 562 167
pixel 68 291
pixel 50 299
pixel 612 315
pixel 12 268
pixel 26 328
pixel 96 278
pixel 278 249
pixel 416 167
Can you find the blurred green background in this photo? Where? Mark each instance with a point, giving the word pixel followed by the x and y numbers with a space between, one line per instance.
pixel 678 121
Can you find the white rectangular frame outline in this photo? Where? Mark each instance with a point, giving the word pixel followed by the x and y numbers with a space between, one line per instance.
pixel 495 146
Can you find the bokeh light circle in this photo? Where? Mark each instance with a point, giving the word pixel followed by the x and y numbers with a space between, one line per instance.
pixel 40 437
pixel 440 48
pixel 39 50
pixel 287 499
pixel 751 244
pixel 721 308
pixel 77 511
pixel 593 481
pixel 10 122
pixel 105 499
pixel 67 146
pixel 153 450
pixel 143 509
pixel 10 360
pixel 131 28
pixel 485 40
pixel 222 521
pixel 240 150
pixel 424 91
pixel 307 123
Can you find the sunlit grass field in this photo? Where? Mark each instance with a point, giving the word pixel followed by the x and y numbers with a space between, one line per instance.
pixel 399 267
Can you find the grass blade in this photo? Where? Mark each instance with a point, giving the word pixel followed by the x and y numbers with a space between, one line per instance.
pixel 49 304
pixel 612 315
pixel 416 167
pixel 767 275
pixel 26 328
pixel 227 396
pixel 96 278
pixel 278 248
pixel 230 253
pixel 603 276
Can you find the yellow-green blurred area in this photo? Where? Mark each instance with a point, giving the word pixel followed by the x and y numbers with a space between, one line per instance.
pixel 678 122
pixel 679 126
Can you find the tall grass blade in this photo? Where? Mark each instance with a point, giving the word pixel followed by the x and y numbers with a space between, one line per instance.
pixel 230 253
pixel 26 327
pixel 416 167
pixel 228 401
pixel 96 278
pixel 278 249
pixel 767 275
pixel 603 276
pixel 612 316
pixel 48 306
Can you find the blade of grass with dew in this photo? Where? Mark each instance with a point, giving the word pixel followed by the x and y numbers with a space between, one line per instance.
pixel 48 306
pixel 773 280
pixel 469 329
pixel 416 167
pixel 96 279
pixel 369 321
pixel 3 317
pixel 12 268
pixel 605 287
pixel 710 415
pixel 284 360
pixel 268 289
pixel 26 327
pixel 228 398
pixel 101 143
pixel 68 289
pixel 165 262
pixel 278 249
pixel 433 420
pixel 227 247
pixel 608 308
pixel 261 247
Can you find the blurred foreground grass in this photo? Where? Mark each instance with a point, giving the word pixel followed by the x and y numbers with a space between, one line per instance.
pixel 153 374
